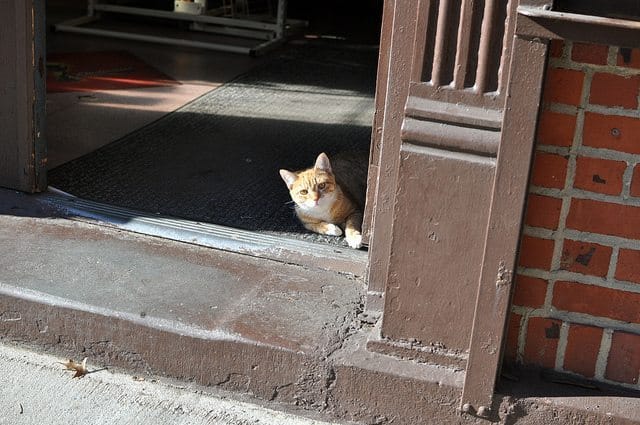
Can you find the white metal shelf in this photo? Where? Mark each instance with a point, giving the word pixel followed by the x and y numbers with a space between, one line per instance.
pixel 269 33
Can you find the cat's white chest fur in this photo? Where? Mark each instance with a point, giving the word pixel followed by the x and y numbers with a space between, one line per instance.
pixel 321 210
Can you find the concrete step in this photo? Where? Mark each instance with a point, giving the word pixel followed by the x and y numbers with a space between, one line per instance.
pixel 154 305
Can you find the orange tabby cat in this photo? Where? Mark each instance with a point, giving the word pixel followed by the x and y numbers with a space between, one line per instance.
pixel 331 198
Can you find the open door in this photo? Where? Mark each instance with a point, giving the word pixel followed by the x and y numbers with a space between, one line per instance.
pixel 22 96
pixel 451 177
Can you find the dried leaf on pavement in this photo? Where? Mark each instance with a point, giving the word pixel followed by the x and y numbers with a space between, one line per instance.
pixel 80 368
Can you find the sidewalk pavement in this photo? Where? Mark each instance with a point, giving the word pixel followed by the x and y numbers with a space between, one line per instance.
pixel 36 389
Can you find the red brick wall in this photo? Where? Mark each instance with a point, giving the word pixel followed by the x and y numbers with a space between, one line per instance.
pixel 576 306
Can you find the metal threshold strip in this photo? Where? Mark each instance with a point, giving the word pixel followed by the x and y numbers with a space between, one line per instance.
pixel 256 244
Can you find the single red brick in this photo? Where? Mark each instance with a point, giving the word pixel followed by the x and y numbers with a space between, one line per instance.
pixel 635 182
pixel 590 53
pixel 536 253
pixel 634 58
pixel 542 342
pixel 549 170
pixel 628 267
pixel 529 291
pixel 555 128
pixel 604 218
pixel 563 86
pixel 611 132
pixel 583 345
pixel 599 175
pixel 585 257
pixel 623 364
pixel 615 90
pixel 513 331
pixel 555 48
pixel 543 211
pixel 597 301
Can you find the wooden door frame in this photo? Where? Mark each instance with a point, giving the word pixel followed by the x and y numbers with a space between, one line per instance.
pixel 524 92
pixel 523 64
pixel 529 31
pixel 396 43
pixel 22 141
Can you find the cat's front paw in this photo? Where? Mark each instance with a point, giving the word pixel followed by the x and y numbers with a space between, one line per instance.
pixel 354 240
pixel 332 230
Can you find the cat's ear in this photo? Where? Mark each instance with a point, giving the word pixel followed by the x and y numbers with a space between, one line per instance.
pixel 289 177
pixel 322 163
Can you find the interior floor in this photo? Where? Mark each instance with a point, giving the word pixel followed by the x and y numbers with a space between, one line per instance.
pixel 78 123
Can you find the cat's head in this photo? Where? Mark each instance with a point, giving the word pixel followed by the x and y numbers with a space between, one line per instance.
pixel 314 187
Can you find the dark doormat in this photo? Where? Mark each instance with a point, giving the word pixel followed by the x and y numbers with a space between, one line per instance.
pixel 216 160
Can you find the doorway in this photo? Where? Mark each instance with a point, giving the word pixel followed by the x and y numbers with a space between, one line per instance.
pixel 204 140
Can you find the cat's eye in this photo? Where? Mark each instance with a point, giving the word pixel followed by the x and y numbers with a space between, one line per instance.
pixel 303 192
pixel 321 186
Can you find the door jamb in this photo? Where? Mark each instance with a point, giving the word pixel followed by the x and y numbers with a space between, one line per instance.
pixel 528 62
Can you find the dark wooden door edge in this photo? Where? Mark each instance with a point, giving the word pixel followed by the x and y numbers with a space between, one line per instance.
pixel 22 82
